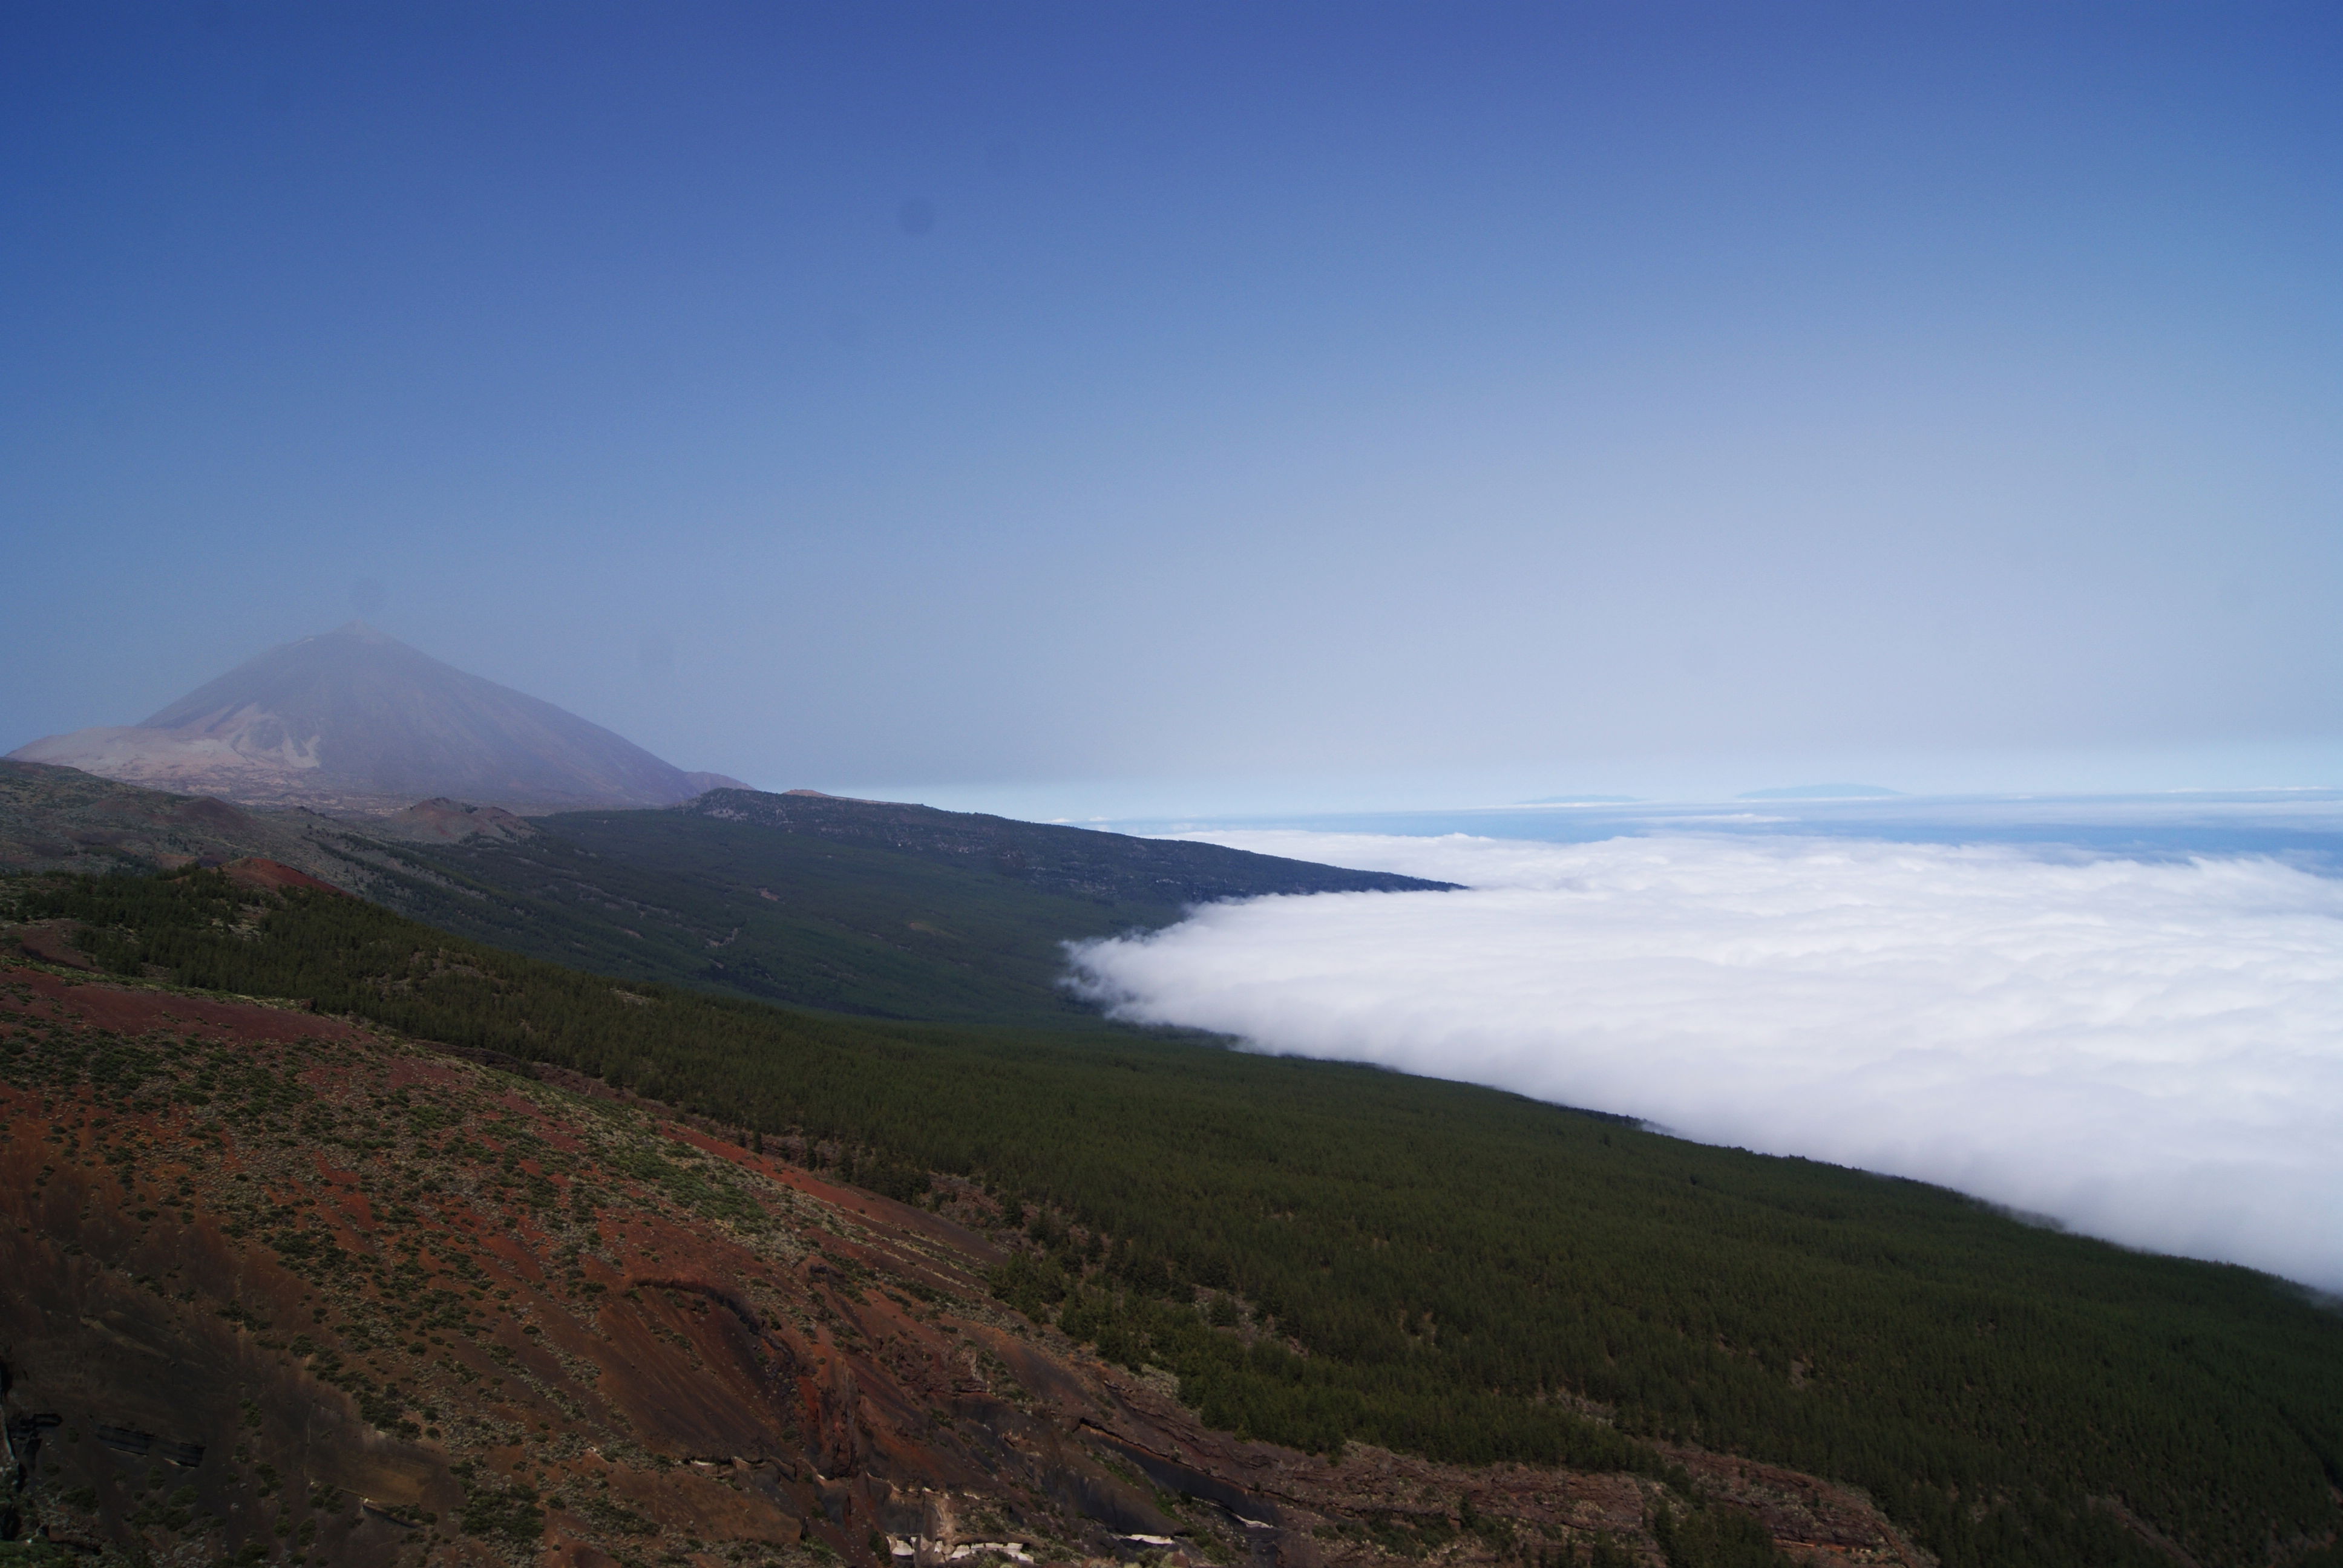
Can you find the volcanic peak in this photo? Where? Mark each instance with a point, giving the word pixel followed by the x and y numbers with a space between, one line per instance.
pixel 354 719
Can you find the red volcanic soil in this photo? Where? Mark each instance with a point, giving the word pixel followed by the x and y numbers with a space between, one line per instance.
pixel 268 876
pixel 121 1009
pixel 47 940
pixel 283 1288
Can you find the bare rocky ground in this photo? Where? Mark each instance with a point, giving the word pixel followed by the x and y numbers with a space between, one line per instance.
pixel 283 1288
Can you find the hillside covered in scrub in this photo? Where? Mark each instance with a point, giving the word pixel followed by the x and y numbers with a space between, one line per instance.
pixel 1339 1261
pixel 291 1287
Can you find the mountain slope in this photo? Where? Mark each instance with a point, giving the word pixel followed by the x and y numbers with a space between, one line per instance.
pixel 1329 1256
pixel 885 923
pixel 1076 861
pixel 60 818
pixel 284 1287
pixel 355 720
pixel 892 910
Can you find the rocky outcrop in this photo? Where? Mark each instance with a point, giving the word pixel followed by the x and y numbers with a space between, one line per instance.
pixel 444 821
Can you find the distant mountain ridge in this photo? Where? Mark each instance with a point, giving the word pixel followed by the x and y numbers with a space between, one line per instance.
pixel 354 719
pixel 866 907
pixel 1082 862
pixel 872 907
pixel 1824 792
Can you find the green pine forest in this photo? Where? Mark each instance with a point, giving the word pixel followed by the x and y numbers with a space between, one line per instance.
pixel 1326 1253
pixel 878 910
pixel 778 916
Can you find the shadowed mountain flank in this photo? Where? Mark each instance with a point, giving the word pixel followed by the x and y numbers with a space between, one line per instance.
pixel 850 906
pixel 1076 861
pixel 886 910
pixel 353 719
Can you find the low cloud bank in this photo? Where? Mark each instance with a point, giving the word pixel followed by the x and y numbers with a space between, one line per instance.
pixel 2149 1052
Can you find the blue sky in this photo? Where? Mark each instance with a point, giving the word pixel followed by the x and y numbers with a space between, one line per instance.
pixel 1037 404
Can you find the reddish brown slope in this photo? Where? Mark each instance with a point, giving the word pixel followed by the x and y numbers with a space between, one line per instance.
pixel 283 1289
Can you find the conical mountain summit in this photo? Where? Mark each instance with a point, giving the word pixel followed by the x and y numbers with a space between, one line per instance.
pixel 353 719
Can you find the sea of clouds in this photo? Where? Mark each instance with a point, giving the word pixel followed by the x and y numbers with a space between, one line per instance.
pixel 2148 1051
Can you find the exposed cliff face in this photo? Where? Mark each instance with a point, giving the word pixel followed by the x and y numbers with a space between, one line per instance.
pixel 283 1286
pixel 356 720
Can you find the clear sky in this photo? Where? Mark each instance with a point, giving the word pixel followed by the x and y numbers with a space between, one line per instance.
pixel 974 395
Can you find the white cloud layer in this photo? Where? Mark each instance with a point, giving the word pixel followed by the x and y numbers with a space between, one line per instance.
pixel 2150 1052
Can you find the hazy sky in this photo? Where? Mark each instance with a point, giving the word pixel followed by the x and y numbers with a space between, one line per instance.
pixel 972 394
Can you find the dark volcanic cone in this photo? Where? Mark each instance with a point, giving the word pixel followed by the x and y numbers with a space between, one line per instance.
pixel 356 719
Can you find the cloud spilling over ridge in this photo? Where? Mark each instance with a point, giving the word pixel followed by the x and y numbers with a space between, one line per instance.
pixel 2149 1052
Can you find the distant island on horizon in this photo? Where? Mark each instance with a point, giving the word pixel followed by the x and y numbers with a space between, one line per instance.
pixel 1822 792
